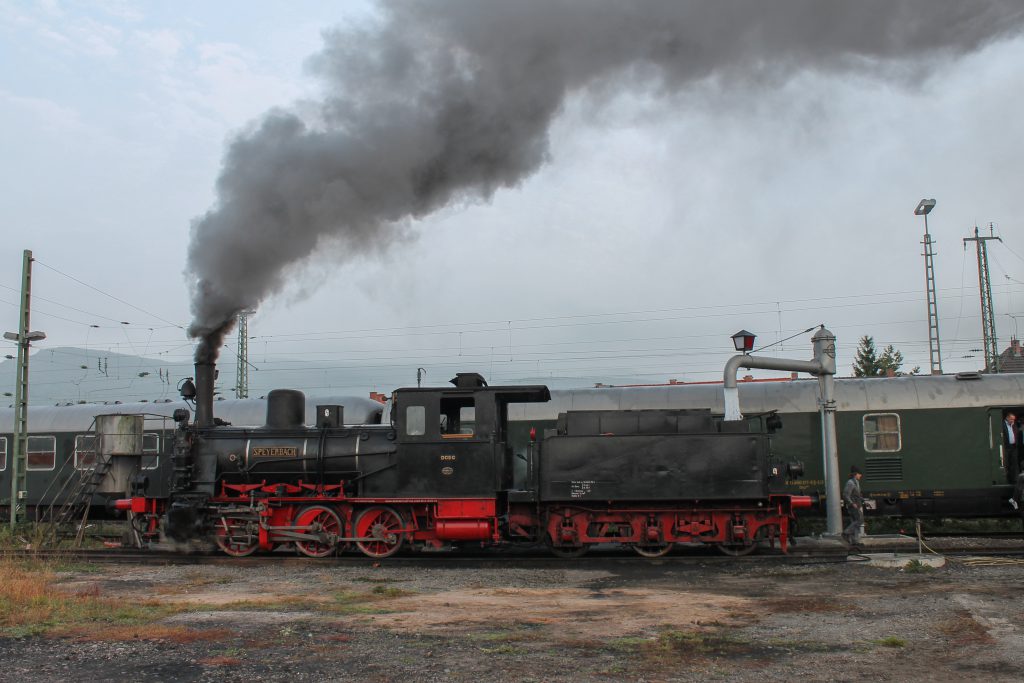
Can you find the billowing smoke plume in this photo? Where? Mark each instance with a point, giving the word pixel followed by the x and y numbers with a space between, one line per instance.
pixel 453 99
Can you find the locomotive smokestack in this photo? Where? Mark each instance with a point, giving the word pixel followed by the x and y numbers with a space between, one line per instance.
pixel 205 374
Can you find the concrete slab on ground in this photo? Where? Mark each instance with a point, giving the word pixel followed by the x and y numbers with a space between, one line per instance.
pixel 903 560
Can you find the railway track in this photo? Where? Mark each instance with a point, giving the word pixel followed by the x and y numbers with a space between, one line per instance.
pixel 496 559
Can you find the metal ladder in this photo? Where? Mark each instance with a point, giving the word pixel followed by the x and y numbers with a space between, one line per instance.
pixel 73 501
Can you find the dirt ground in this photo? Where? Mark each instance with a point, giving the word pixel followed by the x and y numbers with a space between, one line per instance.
pixel 577 620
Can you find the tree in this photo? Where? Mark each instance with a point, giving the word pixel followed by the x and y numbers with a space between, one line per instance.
pixel 891 359
pixel 869 364
pixel 866 362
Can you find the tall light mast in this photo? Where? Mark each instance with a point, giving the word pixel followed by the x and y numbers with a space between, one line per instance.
pixel 924 207
pixel 988 316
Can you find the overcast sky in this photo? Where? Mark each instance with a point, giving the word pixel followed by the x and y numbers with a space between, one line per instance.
pixel 660 225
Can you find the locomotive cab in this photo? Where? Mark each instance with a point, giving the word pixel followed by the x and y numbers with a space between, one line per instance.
pixel 453 442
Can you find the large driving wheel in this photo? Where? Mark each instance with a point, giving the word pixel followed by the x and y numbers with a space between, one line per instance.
pixel 238 534
pixel 383 526
pixel 737 549
pixel 566 551
pixel 652 550
pixel 323 526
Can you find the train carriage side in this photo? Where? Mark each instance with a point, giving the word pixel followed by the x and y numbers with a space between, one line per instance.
pixel 928 445
pixel 60 445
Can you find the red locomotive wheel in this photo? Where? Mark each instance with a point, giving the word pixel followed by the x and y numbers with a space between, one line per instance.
pixel 566 551
pixel 384 526
pixel 736 549
pixel 656 550
pixel 323 525
pixel 237 535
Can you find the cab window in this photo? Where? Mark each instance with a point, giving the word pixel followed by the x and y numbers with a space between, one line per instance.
pixel 3 452
pixel 42 452
pixel 882 433
pixel 458 416
pixel 416 420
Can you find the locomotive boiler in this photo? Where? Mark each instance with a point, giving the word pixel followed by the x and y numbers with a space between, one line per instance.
pixel 442 472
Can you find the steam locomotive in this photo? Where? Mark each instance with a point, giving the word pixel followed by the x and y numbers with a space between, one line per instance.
pixel 442 472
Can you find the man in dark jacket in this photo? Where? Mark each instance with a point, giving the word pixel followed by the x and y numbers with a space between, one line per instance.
pixel 1012 456
pixel 854 506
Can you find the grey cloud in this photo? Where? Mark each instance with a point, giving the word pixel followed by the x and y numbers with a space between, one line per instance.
pixel 453 100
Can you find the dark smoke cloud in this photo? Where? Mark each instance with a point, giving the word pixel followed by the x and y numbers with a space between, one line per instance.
pixel 451 100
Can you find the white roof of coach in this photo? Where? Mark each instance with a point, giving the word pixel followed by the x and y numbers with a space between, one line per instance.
pixel 792 396
pixel 249 412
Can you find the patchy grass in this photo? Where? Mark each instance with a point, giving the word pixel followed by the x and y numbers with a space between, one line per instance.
pixel 891 641
pixel 32 603
pixel 963 630
pixel 629 643
pixel 376 579
pixel 390 592
pixel 687 642
pixel 917 567
pixel 148 632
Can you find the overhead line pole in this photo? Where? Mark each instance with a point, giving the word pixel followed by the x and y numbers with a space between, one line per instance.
pixel 19 488
pixel 242 372
pixel 988 315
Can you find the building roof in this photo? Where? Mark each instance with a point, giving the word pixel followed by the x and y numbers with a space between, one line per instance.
pixel 1012 359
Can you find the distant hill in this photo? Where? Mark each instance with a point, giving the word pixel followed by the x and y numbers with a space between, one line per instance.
pixel 72 375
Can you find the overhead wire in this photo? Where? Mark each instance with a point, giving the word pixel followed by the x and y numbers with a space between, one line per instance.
pixel 106 294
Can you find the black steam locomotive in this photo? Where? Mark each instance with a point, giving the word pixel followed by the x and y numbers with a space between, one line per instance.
pixel 442 472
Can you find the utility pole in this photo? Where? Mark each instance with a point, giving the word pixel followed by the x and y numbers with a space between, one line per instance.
pixel 242 372
pixel 19 484
pixel 924 207
pixel 988 315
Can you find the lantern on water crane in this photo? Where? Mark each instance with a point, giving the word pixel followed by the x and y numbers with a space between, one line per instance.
pixel 744 341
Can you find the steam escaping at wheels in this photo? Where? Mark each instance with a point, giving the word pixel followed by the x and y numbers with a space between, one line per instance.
pixel 237 534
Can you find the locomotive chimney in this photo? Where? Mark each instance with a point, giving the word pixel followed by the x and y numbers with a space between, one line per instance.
pixel 205 374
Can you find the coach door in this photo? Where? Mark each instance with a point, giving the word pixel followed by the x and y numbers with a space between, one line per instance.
pixel 1005 460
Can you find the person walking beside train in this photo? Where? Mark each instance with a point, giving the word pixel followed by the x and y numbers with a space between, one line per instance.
pixel 854 506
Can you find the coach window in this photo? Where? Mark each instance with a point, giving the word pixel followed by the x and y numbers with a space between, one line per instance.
pixel 458 414
pixel 85 451
pixel 3 452
pixel 42 452
pixel 416 420
pixel 150 451
pixel 882 433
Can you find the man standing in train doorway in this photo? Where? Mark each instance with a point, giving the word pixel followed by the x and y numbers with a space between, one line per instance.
pixel 854 506
pixel 1011 456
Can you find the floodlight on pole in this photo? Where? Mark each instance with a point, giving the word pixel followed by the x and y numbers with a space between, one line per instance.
pixel 924 207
